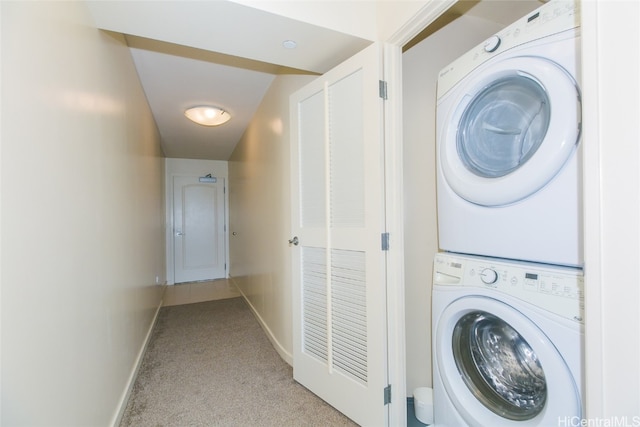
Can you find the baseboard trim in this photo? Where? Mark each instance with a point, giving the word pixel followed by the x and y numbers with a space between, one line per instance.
pixel 122 404
pixel 284 354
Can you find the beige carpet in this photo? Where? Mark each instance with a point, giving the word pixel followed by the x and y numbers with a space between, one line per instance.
pixel 210 364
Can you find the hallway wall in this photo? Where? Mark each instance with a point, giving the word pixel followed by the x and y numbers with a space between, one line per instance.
pixel 259 189
pixel 82 226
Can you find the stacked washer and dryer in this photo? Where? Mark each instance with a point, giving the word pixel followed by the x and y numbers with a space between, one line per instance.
pixel 508 286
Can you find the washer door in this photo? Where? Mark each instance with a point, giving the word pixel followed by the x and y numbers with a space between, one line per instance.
pixel 499 368
pixel 511 129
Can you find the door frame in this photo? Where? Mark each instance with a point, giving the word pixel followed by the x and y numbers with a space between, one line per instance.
pixel 392 74
pixel 611 250
pixel 194 168
pixel 216 189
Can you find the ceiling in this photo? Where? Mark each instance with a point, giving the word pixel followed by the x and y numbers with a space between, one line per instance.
pixel 217 53
pixel 226 54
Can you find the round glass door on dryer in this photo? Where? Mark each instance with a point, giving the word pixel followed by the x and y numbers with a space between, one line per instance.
pixel 498 368
pixel 508 151
pixel 502 142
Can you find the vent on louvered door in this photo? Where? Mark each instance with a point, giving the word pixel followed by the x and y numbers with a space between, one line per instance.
pixel 349 313
pixel 348 321
pixel 314 303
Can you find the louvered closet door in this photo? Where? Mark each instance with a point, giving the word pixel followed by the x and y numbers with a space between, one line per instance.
pixel 339 267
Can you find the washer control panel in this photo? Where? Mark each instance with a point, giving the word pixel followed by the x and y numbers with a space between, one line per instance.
pixel 488 276
pixel 553 288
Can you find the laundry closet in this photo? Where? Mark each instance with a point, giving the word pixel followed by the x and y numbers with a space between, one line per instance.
pixel 464 26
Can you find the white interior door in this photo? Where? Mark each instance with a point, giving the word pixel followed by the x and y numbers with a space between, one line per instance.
pixel 199 229
pixel 338 217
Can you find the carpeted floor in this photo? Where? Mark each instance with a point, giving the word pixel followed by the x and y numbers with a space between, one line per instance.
pixel 210 364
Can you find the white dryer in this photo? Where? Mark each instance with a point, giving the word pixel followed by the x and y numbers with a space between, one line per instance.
pixel 507 343
pixel 508 132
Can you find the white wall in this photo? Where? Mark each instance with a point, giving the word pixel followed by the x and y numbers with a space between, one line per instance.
pixel 421 65
pixel 611 107
pixel 82 217
pixel 259 198
pixel 368 19
pixel 357 18
pixel 190 167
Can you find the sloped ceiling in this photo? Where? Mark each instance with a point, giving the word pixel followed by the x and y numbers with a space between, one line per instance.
pixel 226 54
pixel 214 52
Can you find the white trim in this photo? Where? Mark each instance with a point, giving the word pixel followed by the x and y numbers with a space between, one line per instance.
pixel 611 208
pixel 594 347
pixel 284 354
pixel 421 20
pixel 394 205
pixel 1 275
pixel 394 202
pixel 124 398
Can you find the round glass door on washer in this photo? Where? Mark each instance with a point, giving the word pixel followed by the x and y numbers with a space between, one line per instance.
pixel 498 366
pixel 508 127
pixel 497 371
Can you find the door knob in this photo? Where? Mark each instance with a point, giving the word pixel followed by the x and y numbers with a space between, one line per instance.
pixel 179 233
pixel 294 241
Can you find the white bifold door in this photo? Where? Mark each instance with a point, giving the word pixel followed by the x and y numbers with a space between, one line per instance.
pixel 339 271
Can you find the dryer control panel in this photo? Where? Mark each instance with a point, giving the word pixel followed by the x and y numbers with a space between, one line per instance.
pixel 549 19
pixel 553 288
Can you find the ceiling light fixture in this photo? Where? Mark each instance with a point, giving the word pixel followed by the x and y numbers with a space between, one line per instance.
pixel 207 116
pixel 289 44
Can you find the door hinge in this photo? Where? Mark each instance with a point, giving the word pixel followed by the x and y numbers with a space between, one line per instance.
pixel 387 395
pixel 382 87
pixel 384 239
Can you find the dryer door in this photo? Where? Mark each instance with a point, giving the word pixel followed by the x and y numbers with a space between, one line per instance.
pixel 512 127
pixel 499 368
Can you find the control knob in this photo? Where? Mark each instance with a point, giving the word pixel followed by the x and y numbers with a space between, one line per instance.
pixel 492 44
pixel 489 276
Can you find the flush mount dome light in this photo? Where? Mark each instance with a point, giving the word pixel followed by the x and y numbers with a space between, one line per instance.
pixel 207 116
pixel 289 44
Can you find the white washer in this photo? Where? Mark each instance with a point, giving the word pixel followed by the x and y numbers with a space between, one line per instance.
pixel 508 132
pixel 507 343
